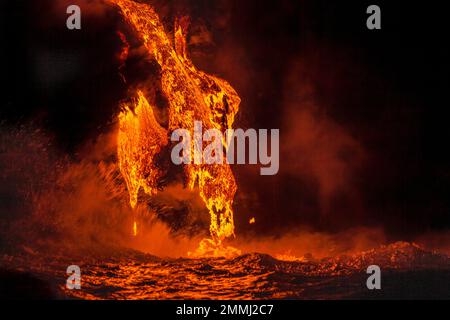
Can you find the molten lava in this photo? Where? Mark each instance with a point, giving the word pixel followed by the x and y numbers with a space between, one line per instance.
pixel 192 96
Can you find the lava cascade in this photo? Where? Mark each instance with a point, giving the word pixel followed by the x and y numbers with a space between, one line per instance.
pixel 192 95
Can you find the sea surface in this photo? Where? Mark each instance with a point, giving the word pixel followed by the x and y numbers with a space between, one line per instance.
pixel 407 271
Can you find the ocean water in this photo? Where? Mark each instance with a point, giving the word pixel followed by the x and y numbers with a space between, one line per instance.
pixel 407 271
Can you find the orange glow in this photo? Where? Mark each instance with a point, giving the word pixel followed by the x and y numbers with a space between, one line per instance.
pixel 252 220
pixel 288 257
pixel 135 229
pixel 193 96
pixel 140 138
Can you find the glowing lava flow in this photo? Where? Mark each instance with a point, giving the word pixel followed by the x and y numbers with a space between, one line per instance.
pixel 193 96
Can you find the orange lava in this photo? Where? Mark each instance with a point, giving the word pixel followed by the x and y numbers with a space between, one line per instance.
pixel 193 96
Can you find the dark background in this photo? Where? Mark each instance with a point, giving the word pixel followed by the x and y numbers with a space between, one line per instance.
pixel 386 91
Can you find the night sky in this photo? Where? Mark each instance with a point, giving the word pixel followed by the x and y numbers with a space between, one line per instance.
pixel 362 114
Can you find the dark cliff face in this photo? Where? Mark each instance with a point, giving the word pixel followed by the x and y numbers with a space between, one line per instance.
pixel 362 114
